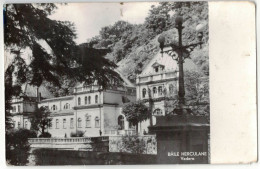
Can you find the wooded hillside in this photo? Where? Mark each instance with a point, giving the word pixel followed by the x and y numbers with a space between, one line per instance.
pixel 133 46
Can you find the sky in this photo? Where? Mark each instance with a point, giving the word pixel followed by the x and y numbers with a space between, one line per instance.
pixel 89 18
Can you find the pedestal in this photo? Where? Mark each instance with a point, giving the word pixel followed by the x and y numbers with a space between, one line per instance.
pixel 182 139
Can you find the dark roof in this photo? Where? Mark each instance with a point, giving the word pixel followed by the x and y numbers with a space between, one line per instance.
pixel 31 91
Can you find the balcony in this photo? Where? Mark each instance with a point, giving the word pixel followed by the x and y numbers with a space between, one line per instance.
pixel 156 77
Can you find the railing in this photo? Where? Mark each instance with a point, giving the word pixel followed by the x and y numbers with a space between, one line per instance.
pixel 120 132
pixel 65 140
pixel 158 76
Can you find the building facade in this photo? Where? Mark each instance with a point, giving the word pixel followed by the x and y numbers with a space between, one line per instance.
pixel 96 112
pixel 157 86
pixel 88 109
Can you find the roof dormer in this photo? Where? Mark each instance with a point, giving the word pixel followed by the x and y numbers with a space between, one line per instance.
pixel 157 67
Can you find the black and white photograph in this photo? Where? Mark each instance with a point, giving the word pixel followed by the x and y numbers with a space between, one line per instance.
pixel 106 83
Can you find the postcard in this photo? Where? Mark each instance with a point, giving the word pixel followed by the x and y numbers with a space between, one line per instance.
pixel 130 83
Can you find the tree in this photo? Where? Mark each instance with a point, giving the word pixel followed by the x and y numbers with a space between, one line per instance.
pixel 40 120
pixel 136 112
pixel 55 57
pixel 158 19
pixel 10 90
pixel 17 146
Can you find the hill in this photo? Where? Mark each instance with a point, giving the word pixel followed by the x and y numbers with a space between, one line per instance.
pixel 133 46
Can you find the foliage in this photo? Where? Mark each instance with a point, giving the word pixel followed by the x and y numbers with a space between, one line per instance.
pixel 136 112
pixel 79 133
pixel 54 57
pixel 40 120
pixel 159 18
pixel 135 45
pixel 196 87
pixel 45 135
pixel 17 146
pixel 133 144
pixel 10 90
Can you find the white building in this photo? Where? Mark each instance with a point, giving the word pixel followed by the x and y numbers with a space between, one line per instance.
pixel 160 78
pixel 89 109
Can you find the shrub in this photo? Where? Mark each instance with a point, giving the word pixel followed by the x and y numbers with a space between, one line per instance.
pixel 77 134
pixel 133 144
pixel 45 135
pixel 17 146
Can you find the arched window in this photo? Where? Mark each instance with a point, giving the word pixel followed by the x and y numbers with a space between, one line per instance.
pixel 79 101
pixel 121 122
pixel 19 108
pixel 89 99
pixel 160 90
pixel 86 99
pixel 154 91
pixel 171 89
pixel 19 125
pixel 157 112
pixel 57 123
pixel 64 123
pixel 67 106
pixel 71 123
pixel 144 92
pixel 54 107
pixel 26 124
pixel 79 123
pixel 97 122
pixel 88 121
pixel 96 99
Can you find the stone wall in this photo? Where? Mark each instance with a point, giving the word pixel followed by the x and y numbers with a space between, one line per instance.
pixel 133 144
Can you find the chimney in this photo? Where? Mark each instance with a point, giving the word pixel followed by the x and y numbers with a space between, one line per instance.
pixel 38 94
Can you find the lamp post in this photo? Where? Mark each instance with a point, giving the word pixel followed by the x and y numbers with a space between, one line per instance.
pixel 183 53
pixel 183 131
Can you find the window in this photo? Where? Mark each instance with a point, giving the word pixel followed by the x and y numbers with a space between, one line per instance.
pixel 121 122
pixel 86 100
pixel 156 69
pixel 157 112
pixel 97 122
pixel 160 91
pixel 57 123
pixel 67 106
pixel 89 100
pixel 64 123
pixel 19 108
pixel 79 101
pixel 144 92
pixel 96 99
pixel 14 108
pixel 79 123
pixel 26 125
pixel 19 125
pixel 171 89
pixel 154 91
pixel 71 123
pixel 51 123
pixel 88 121
pixel 54 107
